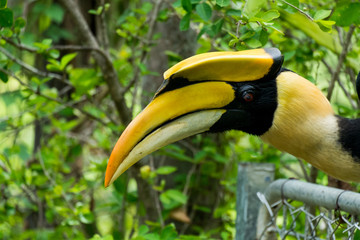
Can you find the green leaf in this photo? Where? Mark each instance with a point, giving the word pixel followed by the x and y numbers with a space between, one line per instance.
pixel 217 26
pixel 55 12
pixel 169 233
pixel 233 42
pixel 65 60
pixel 186 4
pixel 177 195
pixel 346 14
pixel 326 26
pixel 143 229
pixel 253 43
pixel 54 53
pixel 204 11
pixel 3 3
pixel 185 22
pixel 107 6
pixel 270 15
pixel 99 10
pixel 84 79
pixel 19 22
pixel 164 170
pixel 86 218
pixel 53 65
pixel 203 209
pixel 4 77
pixel 92 11
pixel 247 35
pixel 6 32
pixel 44 45
pixel 6 17
pixel 252 7
pixel 234 13
pixel 223 3
pixel 321 14
pixel 172 198
pixel 264 36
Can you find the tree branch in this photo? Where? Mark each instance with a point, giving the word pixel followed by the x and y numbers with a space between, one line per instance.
pixel 57 47
pixel 104 62
pixel 335 75
pixel 32 69
pixel 66 104
pixel 19 45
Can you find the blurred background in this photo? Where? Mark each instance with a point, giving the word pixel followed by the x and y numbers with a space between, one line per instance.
pixel 74 73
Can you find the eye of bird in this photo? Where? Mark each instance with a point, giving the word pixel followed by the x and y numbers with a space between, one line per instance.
pixel 248 96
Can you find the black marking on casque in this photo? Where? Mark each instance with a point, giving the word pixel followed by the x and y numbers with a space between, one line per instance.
pixel 349 136
pixel 172 84
pixel 277 64
pixel 255 117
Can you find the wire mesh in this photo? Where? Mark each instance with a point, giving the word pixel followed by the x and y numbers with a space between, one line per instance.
pixel 292 219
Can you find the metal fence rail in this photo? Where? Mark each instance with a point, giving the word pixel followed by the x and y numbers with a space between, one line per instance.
pixel 280 219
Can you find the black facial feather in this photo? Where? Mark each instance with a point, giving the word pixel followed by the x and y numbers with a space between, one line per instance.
pixel 253 117
pixel 349 136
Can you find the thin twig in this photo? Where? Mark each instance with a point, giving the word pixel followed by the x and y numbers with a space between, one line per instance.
pixel 303 169
pixel 301 11
pixel 343 54
pixel 79 48
pixel 157 196
pixel 352 76
pixel 103 30
pixel 32 69
pixel 37 92
pixel 57 47
pixel 290 169
pixel 348 95
pixel 313 174
pixel 327 65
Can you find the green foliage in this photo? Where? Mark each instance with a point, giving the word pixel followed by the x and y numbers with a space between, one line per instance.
pixel 52 188
pixel 6 15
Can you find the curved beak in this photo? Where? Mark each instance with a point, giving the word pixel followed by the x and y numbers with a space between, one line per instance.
pixel 170 117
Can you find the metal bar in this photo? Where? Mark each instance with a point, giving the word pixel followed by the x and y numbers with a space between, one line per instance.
pixel 314 195
pixel 308 193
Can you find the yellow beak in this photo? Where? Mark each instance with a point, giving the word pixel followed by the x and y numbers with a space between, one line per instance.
pixel 170 117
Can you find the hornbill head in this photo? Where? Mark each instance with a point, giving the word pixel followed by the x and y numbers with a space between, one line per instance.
pixel 219 91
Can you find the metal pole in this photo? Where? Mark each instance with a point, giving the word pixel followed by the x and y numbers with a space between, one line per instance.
pixel 252 178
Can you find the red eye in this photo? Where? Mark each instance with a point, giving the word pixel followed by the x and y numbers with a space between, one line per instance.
pixel 248 97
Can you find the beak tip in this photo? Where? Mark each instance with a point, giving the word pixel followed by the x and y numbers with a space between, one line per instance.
pixel 106 183
pixel 108 178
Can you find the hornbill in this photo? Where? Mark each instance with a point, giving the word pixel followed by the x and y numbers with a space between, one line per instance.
pixel 247 91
